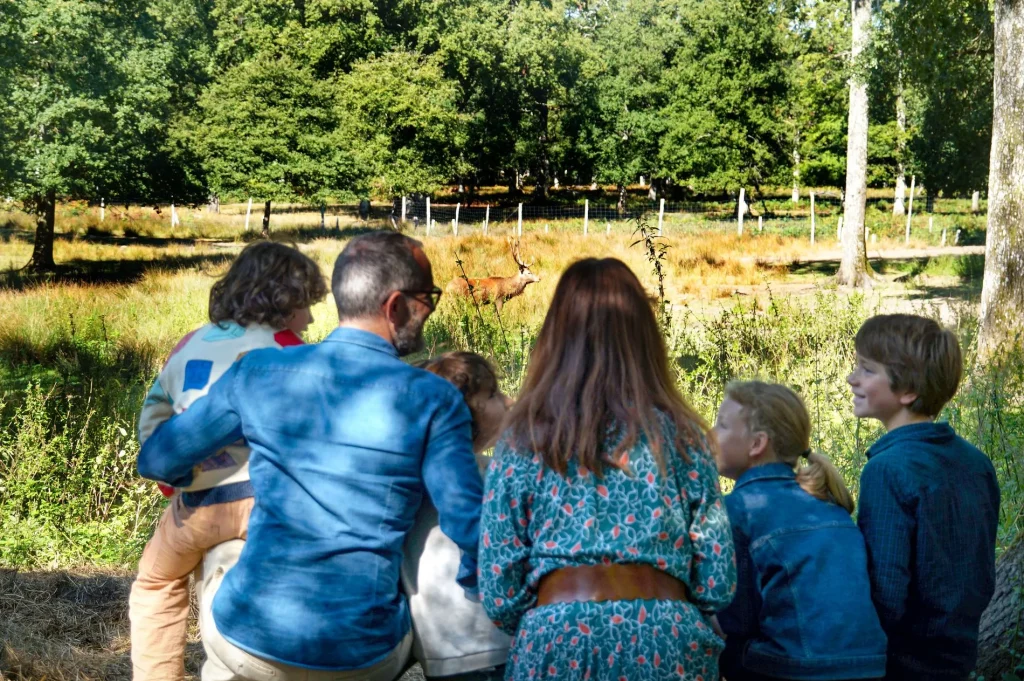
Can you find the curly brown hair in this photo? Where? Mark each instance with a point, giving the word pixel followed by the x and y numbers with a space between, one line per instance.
pixel 265 284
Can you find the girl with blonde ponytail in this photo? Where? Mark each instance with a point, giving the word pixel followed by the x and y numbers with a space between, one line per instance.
pixel 803 606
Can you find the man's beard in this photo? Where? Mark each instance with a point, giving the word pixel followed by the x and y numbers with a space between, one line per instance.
pixel 409 338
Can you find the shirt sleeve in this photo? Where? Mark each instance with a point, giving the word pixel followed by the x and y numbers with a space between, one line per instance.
pixel 713 569
pixel 156 408
pixel 505 542
pixel 740 619
pixel 452 480
pixel 887 521
pixel 177 445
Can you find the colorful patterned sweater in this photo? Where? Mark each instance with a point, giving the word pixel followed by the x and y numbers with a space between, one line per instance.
pixel 195 364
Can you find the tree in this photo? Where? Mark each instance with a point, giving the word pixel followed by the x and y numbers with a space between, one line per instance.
pixel 89 92
pixel 402 116
pixel 817 41
pixel 1002 295
pixel 634 43
pixel 265 129
pixel 853 268
pixel 1000 623
pixel 728 93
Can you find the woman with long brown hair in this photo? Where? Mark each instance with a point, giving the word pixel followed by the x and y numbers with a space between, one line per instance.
pixel 605 545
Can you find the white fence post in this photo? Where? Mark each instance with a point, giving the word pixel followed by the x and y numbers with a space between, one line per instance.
pixel 956 238
pixel 943 244
pixel 455 227
pixel 607 228
pixel 586 215
pixel 102 210
pixel 174 217
pixel 931 224
pixel 741 211
pixel 545 228
pixel 910 206
pixel 975 202
pixel 457 206
pixel 519 229
pixel 248 212
pixel 661 217
pixel 760 224
pixel 428 213
pixel 813 220
pixel 487 217
pixel 403 210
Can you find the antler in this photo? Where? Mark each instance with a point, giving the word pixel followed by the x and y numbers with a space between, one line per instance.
pixel 513 246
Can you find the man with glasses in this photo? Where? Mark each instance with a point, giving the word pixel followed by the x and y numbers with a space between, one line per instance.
pixel 345 440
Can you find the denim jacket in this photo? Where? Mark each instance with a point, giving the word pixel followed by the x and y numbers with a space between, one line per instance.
pixel 803 602
pixel 345 438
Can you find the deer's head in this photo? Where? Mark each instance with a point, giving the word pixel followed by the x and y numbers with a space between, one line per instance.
pixel 525 275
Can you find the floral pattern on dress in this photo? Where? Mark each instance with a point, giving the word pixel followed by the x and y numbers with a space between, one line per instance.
pixel 536 521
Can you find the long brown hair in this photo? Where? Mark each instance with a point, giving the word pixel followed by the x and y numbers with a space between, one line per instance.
pixel 600 367
pixel 781 415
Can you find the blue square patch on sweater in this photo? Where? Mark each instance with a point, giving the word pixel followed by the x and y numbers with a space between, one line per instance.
pixel 197 374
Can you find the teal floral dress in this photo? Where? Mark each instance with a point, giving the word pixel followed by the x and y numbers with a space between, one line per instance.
pixel 536 521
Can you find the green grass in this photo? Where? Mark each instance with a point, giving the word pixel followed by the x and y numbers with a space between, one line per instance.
pixel 77 354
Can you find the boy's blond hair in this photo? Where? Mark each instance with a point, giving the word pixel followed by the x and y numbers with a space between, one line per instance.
pixel 919 355
pixel 780 414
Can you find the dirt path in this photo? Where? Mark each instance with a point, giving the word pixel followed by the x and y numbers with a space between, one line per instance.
pixel 876 254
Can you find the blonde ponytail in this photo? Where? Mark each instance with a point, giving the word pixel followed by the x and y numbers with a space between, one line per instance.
pixel 779 412
pixel 820 479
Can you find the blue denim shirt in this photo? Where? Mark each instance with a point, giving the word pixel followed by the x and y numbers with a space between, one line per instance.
pixel 929 509
pixel 345 437
pixel 803 599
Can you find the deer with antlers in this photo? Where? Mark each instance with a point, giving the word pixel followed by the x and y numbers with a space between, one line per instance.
pixel 497 290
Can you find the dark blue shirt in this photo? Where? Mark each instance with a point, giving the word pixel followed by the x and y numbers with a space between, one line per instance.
pixel 345 438
pixel 929 507
pixel 803 600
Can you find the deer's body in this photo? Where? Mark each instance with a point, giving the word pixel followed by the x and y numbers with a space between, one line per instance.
pixel 496 290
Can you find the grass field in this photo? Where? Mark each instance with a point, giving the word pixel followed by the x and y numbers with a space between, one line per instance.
pixel 78 351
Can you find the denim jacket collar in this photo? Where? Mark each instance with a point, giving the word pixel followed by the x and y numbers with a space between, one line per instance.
pixel 937 433
pixel 772 471
pixel 365 339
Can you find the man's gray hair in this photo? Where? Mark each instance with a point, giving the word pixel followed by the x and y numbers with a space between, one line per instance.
pixel 370 268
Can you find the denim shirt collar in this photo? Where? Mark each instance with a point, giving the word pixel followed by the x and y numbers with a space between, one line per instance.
pixel 937 433
pixel 364 339
pixel 768 471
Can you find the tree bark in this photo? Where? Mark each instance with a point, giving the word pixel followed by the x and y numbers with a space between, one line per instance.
pixel 854 269
pixel 621 206
pixel 901 172
pixel 1002 294
pixel 796 176
pixel 42 250
pixel 266 220
pixel 999 633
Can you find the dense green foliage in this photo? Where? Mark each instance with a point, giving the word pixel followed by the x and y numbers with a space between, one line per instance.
pixel 305 100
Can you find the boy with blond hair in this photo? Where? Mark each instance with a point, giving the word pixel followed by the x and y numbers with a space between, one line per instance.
pixel 929 500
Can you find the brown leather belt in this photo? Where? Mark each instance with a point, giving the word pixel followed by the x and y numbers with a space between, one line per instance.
pixel 609 583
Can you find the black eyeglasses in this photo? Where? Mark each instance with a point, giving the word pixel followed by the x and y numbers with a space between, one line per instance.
pixel 434 296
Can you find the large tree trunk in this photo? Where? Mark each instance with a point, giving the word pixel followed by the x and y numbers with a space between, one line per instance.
pixel 42 251
pixel 854 269
pixel 266 220
pixel 901 172
pixel 621 206
pixel 1002 294
pixel 1003 618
